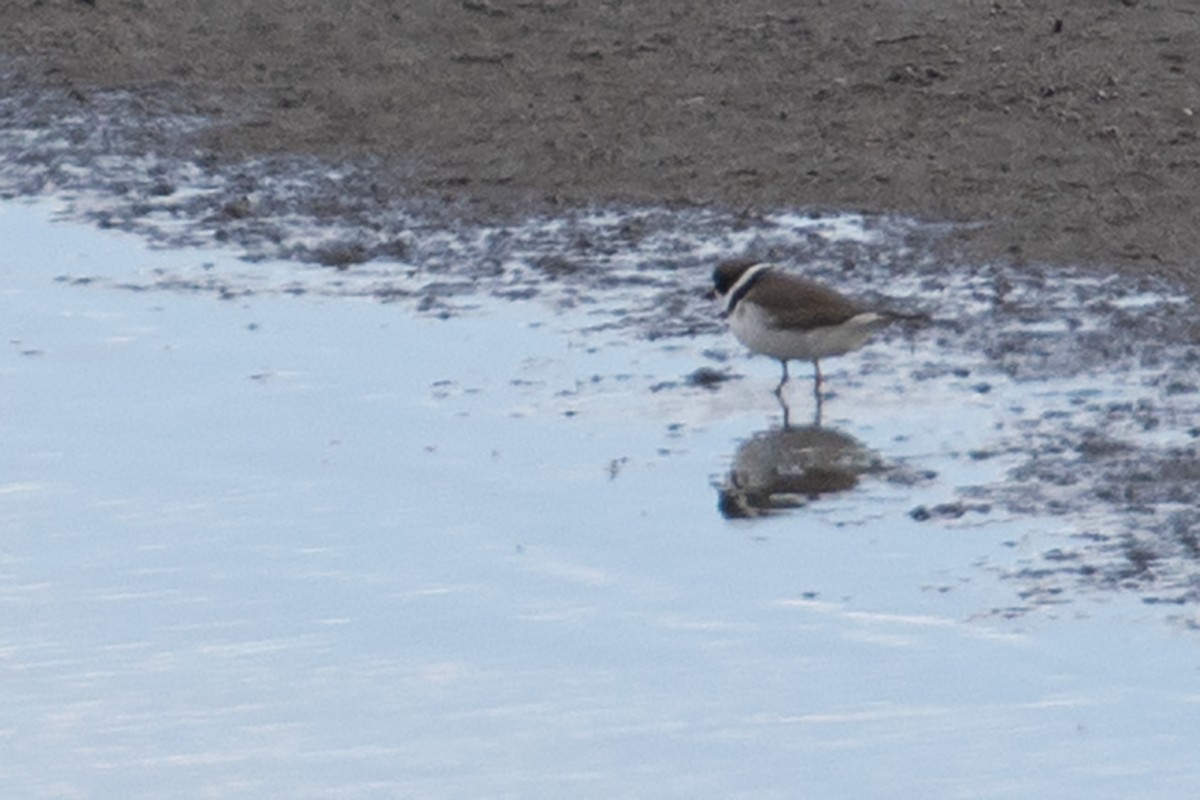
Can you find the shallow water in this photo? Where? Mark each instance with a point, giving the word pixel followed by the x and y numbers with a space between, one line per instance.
pixel 298 543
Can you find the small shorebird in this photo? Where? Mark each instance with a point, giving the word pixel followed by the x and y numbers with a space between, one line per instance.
pixel 786 317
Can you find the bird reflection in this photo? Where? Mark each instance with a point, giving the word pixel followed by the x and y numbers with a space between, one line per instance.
pixel 787 467
pixel 787 410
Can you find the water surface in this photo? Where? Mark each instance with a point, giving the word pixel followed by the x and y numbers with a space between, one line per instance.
pixel 306 544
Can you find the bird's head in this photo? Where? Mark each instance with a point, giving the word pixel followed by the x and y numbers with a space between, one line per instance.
pixel 727 274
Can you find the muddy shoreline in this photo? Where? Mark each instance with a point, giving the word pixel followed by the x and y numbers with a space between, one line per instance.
pixel 1070 134
pixel 435 156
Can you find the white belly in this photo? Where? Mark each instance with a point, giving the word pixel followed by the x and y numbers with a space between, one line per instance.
pixel 749 325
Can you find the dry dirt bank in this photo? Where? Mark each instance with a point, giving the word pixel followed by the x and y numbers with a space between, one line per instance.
pixel 1071 130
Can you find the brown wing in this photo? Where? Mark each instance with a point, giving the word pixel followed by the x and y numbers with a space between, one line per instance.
pixel 798 303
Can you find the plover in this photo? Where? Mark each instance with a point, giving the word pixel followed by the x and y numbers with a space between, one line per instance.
pixel 790 318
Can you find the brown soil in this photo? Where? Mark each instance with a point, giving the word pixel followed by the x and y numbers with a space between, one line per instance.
pixel 1070 128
